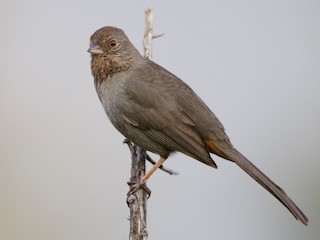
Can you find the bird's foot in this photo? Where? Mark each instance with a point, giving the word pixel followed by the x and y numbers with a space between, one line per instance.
pixel 134 187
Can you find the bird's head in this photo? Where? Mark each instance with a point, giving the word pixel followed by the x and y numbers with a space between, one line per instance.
pixel 113 43
pixel 111 51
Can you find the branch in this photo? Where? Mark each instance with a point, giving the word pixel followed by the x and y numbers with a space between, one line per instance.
pixel 138 201
pixel 148 34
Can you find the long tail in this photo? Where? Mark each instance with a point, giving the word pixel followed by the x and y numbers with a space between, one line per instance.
pixel 226 150
pixel 267 183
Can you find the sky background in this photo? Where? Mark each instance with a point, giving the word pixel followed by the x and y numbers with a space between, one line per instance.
pixel 63 167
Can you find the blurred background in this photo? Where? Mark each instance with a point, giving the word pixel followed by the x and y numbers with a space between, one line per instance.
pixel 63 167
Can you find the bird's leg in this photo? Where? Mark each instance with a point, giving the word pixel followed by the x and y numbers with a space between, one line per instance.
pixel 132 150
pixel 169 171
pixel 136 186
pixel 153 169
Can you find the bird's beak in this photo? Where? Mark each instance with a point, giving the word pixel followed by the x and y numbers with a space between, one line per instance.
pixel 95 49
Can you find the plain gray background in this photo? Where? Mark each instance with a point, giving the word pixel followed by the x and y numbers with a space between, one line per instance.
pixel 63 167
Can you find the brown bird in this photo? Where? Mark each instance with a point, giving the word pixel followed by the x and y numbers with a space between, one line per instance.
pixel 159 112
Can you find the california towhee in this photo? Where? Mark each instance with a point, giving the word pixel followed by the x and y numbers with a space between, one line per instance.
pixel 159 112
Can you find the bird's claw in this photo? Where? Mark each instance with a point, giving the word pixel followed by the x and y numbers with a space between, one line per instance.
pixel 134 187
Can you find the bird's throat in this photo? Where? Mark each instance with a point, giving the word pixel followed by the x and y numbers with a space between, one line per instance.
pixel 103 67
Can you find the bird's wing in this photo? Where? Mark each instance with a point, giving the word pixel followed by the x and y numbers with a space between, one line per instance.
pixel 154 109
pixel 207 124
pixel 173 88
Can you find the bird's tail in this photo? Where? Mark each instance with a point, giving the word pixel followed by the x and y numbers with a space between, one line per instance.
pixel 267 183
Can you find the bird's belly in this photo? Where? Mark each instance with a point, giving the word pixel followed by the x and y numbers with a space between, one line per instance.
pixel 112 102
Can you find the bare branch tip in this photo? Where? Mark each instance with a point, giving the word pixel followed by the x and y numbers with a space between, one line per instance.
pixel 148 10
pixel 157 35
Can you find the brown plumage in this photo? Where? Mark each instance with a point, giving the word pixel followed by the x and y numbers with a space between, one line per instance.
pixel 159 112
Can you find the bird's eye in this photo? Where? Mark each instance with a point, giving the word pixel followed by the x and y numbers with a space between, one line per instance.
pixel 113 43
